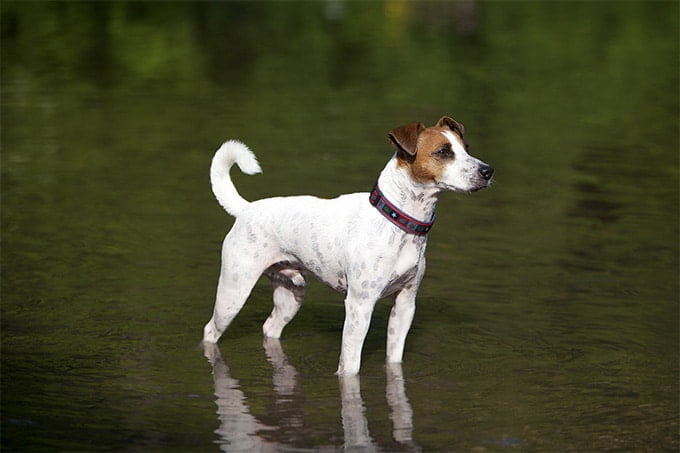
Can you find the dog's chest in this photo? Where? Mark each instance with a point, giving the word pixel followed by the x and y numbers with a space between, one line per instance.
pixel 382 270
pixel 409 259
pixel 409 256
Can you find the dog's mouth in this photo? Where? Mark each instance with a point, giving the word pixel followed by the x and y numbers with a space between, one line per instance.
pixel 474 186
pixel 481 185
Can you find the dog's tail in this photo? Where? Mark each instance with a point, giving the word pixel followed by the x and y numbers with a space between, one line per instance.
pixel 229 153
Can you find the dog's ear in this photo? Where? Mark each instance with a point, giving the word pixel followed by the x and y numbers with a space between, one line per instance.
pixel 452 124
pixel 405 138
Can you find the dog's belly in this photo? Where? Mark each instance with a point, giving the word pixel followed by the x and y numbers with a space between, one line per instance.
pixel 337 281
pixel 292 267
pixel 381 275
pixel 332 275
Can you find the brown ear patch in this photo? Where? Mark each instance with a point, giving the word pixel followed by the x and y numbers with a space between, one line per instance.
pixel 405 138
pixel 452 124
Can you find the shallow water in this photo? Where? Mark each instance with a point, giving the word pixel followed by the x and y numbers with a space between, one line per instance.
pixel 548 317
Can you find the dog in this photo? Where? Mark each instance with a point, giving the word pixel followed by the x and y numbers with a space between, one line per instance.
pixel 365 245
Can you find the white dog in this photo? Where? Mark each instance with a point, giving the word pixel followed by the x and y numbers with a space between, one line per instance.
pixel 366 245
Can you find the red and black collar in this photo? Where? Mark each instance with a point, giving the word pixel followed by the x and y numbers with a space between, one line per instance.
pixel 398 217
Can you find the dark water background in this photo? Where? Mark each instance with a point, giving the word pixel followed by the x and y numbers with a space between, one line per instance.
pixel 547 320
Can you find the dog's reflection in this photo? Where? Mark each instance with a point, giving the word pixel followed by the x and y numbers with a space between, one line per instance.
pixel 239 430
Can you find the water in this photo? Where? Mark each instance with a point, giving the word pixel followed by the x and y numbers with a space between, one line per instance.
pixel 548 317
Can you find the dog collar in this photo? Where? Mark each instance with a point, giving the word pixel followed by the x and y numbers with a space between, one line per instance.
pixel 398 217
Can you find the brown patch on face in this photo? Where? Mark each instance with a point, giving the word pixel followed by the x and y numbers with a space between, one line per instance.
pixel 433 154
pixel 426 151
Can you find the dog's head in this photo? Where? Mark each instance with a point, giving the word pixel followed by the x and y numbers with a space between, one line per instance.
pixel 438 155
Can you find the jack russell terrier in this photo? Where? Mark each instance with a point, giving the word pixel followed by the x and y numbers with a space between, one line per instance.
pixel 366 245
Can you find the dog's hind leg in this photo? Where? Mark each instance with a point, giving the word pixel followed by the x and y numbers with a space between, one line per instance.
pixel 289 292
pixel 236 281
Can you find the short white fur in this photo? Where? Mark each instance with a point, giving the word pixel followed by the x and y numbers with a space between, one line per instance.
pixel 345 242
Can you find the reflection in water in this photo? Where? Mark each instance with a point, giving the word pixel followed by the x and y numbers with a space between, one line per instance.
pixel 239 430
pixel 401 413
pixel 354 423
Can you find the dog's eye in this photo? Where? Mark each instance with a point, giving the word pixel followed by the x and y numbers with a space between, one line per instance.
pixel 444 152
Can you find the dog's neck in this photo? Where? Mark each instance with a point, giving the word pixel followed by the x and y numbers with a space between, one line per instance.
pixel 413 198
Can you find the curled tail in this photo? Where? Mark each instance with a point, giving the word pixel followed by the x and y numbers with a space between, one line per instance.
pixel 229 153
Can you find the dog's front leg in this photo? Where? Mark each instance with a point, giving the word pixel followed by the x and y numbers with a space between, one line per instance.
pixel 358 310
pixel 400 321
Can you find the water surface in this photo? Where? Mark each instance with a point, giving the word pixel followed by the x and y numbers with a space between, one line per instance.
pixel 548 317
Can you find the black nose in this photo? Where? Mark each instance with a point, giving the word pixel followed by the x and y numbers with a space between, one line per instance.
pixel 486 171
